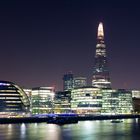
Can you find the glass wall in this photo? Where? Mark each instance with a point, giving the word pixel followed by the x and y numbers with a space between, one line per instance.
pixel 62 102
pixel 42 100
pixel 117 102
pixel 86 100
pixel 13 100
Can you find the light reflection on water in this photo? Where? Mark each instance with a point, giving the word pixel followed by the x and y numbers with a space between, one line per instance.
pixel 85 130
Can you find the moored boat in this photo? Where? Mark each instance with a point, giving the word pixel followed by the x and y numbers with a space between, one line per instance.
pixel 116 121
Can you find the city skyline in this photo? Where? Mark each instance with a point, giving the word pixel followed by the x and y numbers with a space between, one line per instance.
pixel 41 41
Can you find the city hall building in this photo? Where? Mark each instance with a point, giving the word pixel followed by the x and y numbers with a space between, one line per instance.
pixel 13 100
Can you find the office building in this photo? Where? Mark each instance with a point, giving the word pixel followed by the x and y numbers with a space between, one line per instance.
pixel 62 102
pixel 42 100
pixel 136 94
pixel 68 81
pixel 109 103
pixel 79 82
pixel 86 100
pixel 116 101
pixel 28 93
pixel 136 100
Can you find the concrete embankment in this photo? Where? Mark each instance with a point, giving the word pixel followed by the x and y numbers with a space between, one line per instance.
pixel 79 118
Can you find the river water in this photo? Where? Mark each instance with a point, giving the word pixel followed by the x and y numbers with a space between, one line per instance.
pixel 129 129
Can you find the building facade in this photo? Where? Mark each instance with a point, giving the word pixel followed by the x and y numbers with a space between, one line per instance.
pixel 136 100
pixel 108 102
pixel 62 102
pixel 28 93
pixel 68 81
pixel 101 77
pixel 42 99
pixel 86 100
pixel 136 94
pixel 116 101
pixel 13 100
pixel 79 82
pixel 90 100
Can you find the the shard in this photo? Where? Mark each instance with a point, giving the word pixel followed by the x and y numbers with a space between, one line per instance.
pixel 101 77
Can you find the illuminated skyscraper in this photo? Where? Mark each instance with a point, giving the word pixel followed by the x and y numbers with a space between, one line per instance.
pixel 101 77
pixel 68 81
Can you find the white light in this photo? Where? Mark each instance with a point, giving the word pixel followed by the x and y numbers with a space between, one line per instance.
pixel 100 30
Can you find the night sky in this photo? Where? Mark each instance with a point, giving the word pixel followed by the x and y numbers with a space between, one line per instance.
pixel 42 40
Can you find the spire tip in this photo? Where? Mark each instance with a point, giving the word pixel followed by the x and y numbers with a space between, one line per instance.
pixel 100 31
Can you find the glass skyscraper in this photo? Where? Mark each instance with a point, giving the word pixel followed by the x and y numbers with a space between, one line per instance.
pixel 101 77
pixel 68 81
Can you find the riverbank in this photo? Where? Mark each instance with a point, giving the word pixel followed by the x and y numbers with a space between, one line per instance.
pixel 106 117
pixel 79 118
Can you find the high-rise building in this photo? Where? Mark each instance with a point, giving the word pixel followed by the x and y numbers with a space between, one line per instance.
pixel 79 82
pixel 101 77
pixel 68 81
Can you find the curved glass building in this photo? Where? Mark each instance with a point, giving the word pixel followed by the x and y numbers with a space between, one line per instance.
pixel 86 100
pixel 13 100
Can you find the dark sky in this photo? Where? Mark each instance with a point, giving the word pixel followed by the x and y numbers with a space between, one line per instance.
pixel 42 40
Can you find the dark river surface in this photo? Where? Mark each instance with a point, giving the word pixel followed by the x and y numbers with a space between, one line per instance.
pixel 129 129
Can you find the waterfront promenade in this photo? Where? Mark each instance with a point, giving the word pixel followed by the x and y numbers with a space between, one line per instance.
pixel 78 117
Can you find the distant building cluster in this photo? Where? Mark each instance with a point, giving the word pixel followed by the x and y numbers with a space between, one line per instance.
pixel 76 97
pixel 70 82
pixel 84 100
